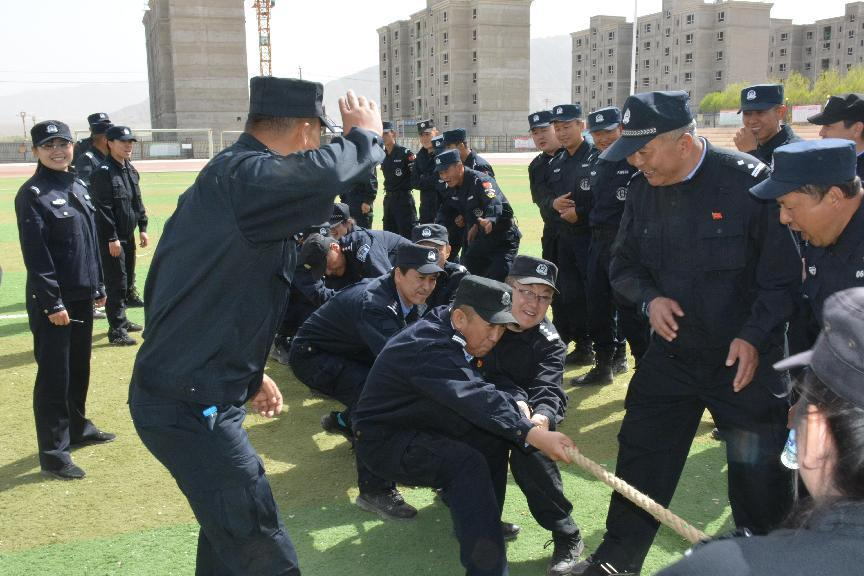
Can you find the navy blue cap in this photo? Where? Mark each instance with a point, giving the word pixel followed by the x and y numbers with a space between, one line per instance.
pixel 645 116
pixel 100 128
pixel 827 162
pixel 287 98
pixel 341 213
pixel 48 130
pixel 122 133
pixel 540 119
pixel 388 127
pixel 435 233
pixel 98 118
pixel 761 97
pixel 455 136
pixel 425 126
pixel 604 119
pixel 492 300
pixel 446 158
pixel 566 112
pixel 420 258
pixel 848 107
pixel 530 270
pixel 313 254
pixel 438 143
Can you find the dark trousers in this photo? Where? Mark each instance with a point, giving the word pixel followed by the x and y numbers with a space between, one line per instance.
pixel 456 235
pixel 664 405
pixel 115 271
pixel 400 215
pixel 492 256
pixel 223 479
pixel 129 253
pixel 63 376
pixel 341 379
pixel 472 470
pixel 549 244
pixel 540 480
pixel 362 220
pixel 429 203
pixel 570 315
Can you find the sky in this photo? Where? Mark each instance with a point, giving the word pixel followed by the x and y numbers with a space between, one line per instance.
pixel 328 39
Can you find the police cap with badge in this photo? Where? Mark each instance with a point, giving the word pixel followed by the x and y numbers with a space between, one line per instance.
pixel 822 162
pixel 48 130
pixel 566 113
pixel 341 214
pixel 761 97
pixel 644 117
pixel 313 255
pixel 424 126
pixel 435 233
pixel 388 127
pixel 122 133
pixel 98 118
pixel 529 270
pixel 447 158
pixel 845 107
pixel 604 119
pixel 287 98
pixel 420 258
pixel 438 143
pixel 490 299
pixel 540 119
pixel 455 136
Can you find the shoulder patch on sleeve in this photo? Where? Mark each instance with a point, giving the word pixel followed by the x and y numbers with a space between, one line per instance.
pixel 35 190
pixel 549 332
pixel 89 154
pixel 490 194
pixel 103 167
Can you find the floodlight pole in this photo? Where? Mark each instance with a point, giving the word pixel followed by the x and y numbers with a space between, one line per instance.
pixel 633 49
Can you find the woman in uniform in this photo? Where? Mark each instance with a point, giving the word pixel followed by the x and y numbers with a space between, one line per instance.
pixel 64 282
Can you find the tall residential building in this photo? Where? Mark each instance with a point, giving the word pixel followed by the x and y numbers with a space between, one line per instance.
pixel 690 45
pixel 464 63
pixel 196 64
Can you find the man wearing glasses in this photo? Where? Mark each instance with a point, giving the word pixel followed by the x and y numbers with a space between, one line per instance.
pixel 528 362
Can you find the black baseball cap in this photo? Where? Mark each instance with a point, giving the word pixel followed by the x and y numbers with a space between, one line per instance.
pixel 98 118
pixel 530 270
pixel 455 136
pixel 435 233
pixel 100 128
pixel 122 133
pixel 425 126
pixel 491 299
pixel 313 255
pixel 827 162
pixel 420 258
pixel 849 107
pixel 837 358
pixel 539 119
pixel 48 130
pixel 288 98
pixel 566 112
pixel 604 119
pixel 644 117
pixel 761 97
pixel 446 158
pixel 341 213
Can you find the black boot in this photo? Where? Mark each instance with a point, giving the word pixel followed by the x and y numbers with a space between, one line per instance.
pixel 600 374
pixel 133 299
pixel 619 361
pixel 582 355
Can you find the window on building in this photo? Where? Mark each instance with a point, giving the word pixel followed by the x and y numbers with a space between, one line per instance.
pixel 446 79
pixel 473 13
pixel 593 46
pixel 446 58
pixel 445 38
pixel 446 120
pixel 474 119
pixel 474 98
pixel 665 69
pixel 688 58
pixel 826 33
pixel 610 69
pixel 666 51
pixel 647 64
pixel 611 35
pixel 397 106
pixel 577 89
pixel 578 74
pixel 474 77
pixel 782 67
pixel 609 85
pixel 385 108
pixel 647 46
pixel 578 42
pixel 689 38
pixel 851 33
pixel 851 17
pixel 396 35
pixel 593 63
pixel 668 14
pixel 718 76
pixel 578 58
pixel 432 51
pixel 848 66
pixel 691 18
pixel 474 56
pixel 808 51
pixel 688 77
pixel 807 66
pixel 784 37
pixel 396 71
pixel 646 82
pixel 385 90
pixel 719 55
pixel 446 100
pixel 396 54
pixel 850 51
pixel 826 46
pixel 809 35
pixel 593 94
pixel 383 56
pixel 384 74
pixel 383 38
pixel 826 63
pixel 445 16
pixel 667 32
pixel 474 34
pixel 782 52
pixel 647 28
pixel 610 52
pixel 721 16
pixel 431 71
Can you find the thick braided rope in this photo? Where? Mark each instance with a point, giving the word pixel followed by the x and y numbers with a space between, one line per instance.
pixel 676 523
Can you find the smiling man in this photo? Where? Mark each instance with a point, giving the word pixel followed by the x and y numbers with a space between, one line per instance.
pixel 763 110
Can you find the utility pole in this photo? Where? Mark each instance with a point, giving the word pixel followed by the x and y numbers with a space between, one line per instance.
pixel 633 49
pixel 24 124
pixel 300 72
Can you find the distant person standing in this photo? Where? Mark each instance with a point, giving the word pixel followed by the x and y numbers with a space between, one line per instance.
pixel 763 110
pixel 400 214
pixel 121 210
pixel 96 154
pixel 424 176
pixel 361 199
pixel 64 281
pixel 85 144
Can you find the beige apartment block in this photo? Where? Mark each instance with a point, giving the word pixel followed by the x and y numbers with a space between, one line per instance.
pixel 464 63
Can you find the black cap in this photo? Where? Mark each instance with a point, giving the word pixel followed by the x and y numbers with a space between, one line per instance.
pixel 420 258
pixel 122 133
pixel 491 299
pixel 313 255
pixel 425 126
pixel 566 112
pixel 531 270
pixel 323 229
pixel 837 358
pixel 438 143
pixel 849 107
pixel 48 130
pixel 827 162
pixel 455 136
pixel 98 118
pixel 539 119
pixel 761 97
pixel 604 119
pixel 341 213
pixel 388 127
pixel 435 233
pixel 288 98
pixel 446 158
pixel 646 116
pixel 100 128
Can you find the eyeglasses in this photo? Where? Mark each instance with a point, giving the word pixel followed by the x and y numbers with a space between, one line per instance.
pixel 55 145
pixel 534 297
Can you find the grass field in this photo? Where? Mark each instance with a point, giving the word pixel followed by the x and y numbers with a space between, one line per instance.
pixel 128 517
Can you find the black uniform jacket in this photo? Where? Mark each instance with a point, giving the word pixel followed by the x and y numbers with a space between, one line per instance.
pixel 58 240
pixel 538 172
pixel 220 275
pixel 476 162
pixel 609 183
pixel 765 152
pixel 423 173
pixel 88 163
pixel 397 166
pixel 710 245
pixel 446 285
pixel 571 174
pixel 477 197
pixel 118 195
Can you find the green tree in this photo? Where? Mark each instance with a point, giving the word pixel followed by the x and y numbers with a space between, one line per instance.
pixel 797 90
pixel 828 83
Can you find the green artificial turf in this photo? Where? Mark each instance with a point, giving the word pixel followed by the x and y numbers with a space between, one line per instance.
pixel 128 517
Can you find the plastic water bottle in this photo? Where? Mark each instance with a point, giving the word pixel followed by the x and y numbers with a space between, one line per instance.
pixel 789 457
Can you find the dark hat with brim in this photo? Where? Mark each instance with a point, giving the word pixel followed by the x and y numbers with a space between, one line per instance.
pixel 388 127
pixel 420 258
pixel 122 133
pixel 341 213
pixel 98 118
pixel 313 255
pixel 455 136
pixel 540 119
pixel 438 143
pixel 425 126
pixel 644 117
pixel 566 112
pixel 848 107
pixel 604 119
pixel 837 358
pixel 435 233
pixel 447 158
pixel 492 300
pixel 49 130
pixel 530 270
pixel 100 128
pixel 761 97
pixel 288 98
pixel 820 162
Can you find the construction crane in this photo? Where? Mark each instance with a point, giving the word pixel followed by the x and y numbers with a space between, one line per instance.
pixel 262 11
